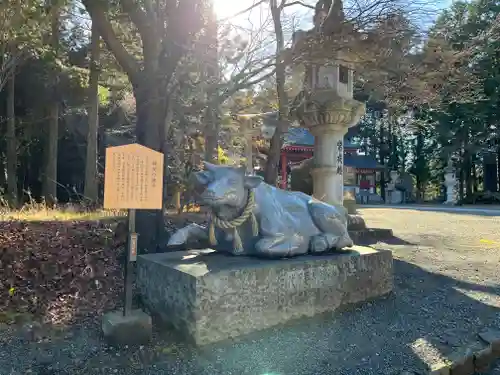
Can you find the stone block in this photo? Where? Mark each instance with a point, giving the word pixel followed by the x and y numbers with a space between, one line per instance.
pixel 132 329
pixel 440 369
pixel 350 206
pixel 209 296
pixel 484 358
pixel 355 222
pixel 370 234
pixel 492 337
pixel 462 360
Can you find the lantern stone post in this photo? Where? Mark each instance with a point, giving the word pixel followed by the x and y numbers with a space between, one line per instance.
pixel 326 107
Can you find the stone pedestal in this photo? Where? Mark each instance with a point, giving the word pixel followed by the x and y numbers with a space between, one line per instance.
pixel 394 196
pixel 132 329
pixel 350 201
pixel 209 296
pixel 450 183
pixel 355 222
pixel 394 177
pixel 350 206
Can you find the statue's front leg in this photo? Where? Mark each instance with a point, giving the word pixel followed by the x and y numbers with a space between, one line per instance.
pixel 328 241
pixel 191 232
pixel 282 246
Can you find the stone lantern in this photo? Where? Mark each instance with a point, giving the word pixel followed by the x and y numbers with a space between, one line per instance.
pixel 325 105
pixel 394 196
pixel 450 182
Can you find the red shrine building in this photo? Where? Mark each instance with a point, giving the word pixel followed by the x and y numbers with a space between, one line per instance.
pixel 360 171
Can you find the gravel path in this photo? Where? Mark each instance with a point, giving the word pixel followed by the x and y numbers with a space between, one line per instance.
pixel 496 369
pixel 447 288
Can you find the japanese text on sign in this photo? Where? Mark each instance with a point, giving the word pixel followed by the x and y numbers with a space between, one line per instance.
pixel 133 178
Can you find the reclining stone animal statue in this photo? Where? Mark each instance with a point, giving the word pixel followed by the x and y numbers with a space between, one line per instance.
pixel 250 217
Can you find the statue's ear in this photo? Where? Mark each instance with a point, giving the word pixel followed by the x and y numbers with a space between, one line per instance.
pixel 201 177
pixel 209 166
pixel 251 182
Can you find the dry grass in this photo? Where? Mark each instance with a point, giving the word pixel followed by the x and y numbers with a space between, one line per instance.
pixel 35 211
pixel 42 212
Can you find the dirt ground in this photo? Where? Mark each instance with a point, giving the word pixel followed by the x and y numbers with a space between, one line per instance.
pixel 461 246
pixel 464 247
pixel 447 288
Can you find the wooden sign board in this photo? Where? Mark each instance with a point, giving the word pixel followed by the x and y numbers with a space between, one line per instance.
pixel 133 178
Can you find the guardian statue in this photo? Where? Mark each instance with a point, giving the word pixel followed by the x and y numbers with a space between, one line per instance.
pixel 250 217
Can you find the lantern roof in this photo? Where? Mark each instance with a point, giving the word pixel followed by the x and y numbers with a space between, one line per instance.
pixel 332 38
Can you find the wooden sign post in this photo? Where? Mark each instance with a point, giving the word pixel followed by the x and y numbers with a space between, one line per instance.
pixel 133 180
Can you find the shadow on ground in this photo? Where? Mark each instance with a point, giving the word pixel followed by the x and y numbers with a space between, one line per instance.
pixel 390 240
pixel 427 316
pixel 492 212
pixel 469 213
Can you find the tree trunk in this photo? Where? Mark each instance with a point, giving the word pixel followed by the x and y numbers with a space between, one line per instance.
pixel 212 130
pixel 498 167
pixel 420 165
pixel 91 189
pixel 468 176
pixel 461 176
pixel 248 149
pixel 149 112
pixel 467 161
pixel 212 126
pixel 50 178
pixel 150 129
pixel 490 177
pixel 11 143
pixel 461 185
pixel 150 81
pixel 418 185
pixel 273 157
pixel 404 155
pixel 165 149
pixel 391 146
pixel 381 156
pixel 475 182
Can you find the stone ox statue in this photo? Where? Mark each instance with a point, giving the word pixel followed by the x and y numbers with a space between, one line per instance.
pixel 250 217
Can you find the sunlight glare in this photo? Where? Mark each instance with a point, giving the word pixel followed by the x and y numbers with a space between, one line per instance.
pixel 228 8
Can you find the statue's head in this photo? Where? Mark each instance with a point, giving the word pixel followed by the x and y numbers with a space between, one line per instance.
pixel 225 185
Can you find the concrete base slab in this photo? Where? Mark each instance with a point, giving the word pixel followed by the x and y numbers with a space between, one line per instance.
pixel 350 205
pixel 355 222
pixel 362 235
pixel 133 329
pixel 209 296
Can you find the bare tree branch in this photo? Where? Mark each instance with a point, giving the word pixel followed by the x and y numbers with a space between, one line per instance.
pixel 248 9
pixel 137 15
pixel 284 4
pixel 128 63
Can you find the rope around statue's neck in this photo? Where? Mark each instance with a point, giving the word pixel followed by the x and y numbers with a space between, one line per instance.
pixel 215 221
